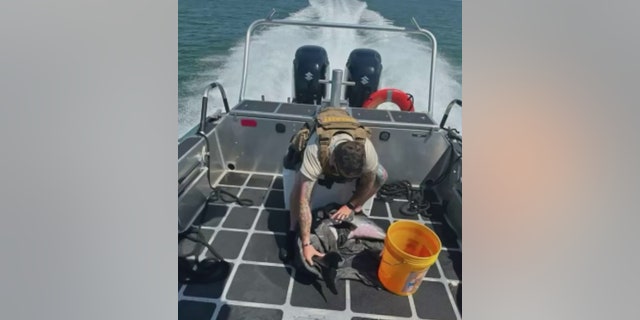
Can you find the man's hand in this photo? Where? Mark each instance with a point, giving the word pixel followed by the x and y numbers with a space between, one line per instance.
pixel 341 214
pixel 309 252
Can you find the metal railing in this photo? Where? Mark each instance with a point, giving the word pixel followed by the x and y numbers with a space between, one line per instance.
pixel 417 30
pixel 205 101
pixel 336 86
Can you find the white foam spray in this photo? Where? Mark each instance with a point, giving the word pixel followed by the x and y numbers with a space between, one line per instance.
pixel 405 60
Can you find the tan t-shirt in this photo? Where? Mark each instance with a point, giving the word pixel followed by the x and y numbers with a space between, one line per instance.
pixel 311 167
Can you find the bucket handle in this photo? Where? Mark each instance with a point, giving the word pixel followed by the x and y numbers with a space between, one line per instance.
pixel 404 261
pixel 396 264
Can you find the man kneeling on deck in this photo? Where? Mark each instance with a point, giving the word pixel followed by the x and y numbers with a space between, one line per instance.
pixel 339 151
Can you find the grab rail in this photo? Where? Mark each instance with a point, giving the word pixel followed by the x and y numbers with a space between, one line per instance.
pixel 205 100
pixel 418 30
pixel 446 112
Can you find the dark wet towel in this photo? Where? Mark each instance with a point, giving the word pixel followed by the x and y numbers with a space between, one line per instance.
pixel 360 258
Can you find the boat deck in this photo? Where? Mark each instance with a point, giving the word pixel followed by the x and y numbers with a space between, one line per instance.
pixel 260 286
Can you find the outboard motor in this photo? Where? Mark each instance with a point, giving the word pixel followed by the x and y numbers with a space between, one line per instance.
pixel 363 67
pixel 309 66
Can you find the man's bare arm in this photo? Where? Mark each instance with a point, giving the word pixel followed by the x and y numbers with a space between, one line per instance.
pixel 300 205
pixel 363 189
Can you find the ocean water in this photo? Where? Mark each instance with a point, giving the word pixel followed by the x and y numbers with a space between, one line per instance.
pixel 211 41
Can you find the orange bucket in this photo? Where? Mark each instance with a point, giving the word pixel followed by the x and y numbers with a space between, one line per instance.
pixel 410 248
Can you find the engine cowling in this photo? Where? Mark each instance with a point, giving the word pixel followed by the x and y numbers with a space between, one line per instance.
pixel 364 68
pixel 311 64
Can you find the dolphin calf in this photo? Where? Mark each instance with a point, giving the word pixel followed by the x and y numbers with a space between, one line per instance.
pixel 360 225
pixel 363 228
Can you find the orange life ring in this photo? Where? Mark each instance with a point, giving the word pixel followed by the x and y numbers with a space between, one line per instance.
pixel 403 100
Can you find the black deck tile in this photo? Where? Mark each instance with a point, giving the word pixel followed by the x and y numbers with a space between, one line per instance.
pixel 255 195
pixel 234 178
pixel 260 181
pixel 451 263
pixel 382 223
pixel 225 197
pixel 231 312
pixel 273 220
pixel 275 199
pixel 262 284
pixel 212 215
pixel 447 236
pixel 308 293
pixel 186 246
pixel 370 114
pixel 206 290
pixel 228 243
pixel 379 209
pixel 277 183
pixel 433 272
pixel 233 190
pixel 432 302
pixel 411 117
pixel 395 210
pixel 262 106
pixel 366 299
pixel 194 310
pixel 240 218
pixel 456 292
pixel 297 109
pixel 264 248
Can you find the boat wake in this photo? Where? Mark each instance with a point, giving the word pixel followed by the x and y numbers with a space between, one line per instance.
pixel 405 61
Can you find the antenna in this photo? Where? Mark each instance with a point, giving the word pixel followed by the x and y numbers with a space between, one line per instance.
pixel 273 12
pixel 415 23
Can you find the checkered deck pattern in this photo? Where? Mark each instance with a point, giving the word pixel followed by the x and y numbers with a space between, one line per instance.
pixel 260 286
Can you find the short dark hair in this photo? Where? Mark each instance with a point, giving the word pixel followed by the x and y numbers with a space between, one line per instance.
pixel 348 158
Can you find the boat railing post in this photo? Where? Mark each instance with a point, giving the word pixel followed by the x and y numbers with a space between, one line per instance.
pixel 205 102
pixel 432 71
pixel 245 62
pixel 336 86
pixel 446 112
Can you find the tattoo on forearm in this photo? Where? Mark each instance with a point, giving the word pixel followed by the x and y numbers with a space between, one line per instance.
pixel 381 177
pixel 304 212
